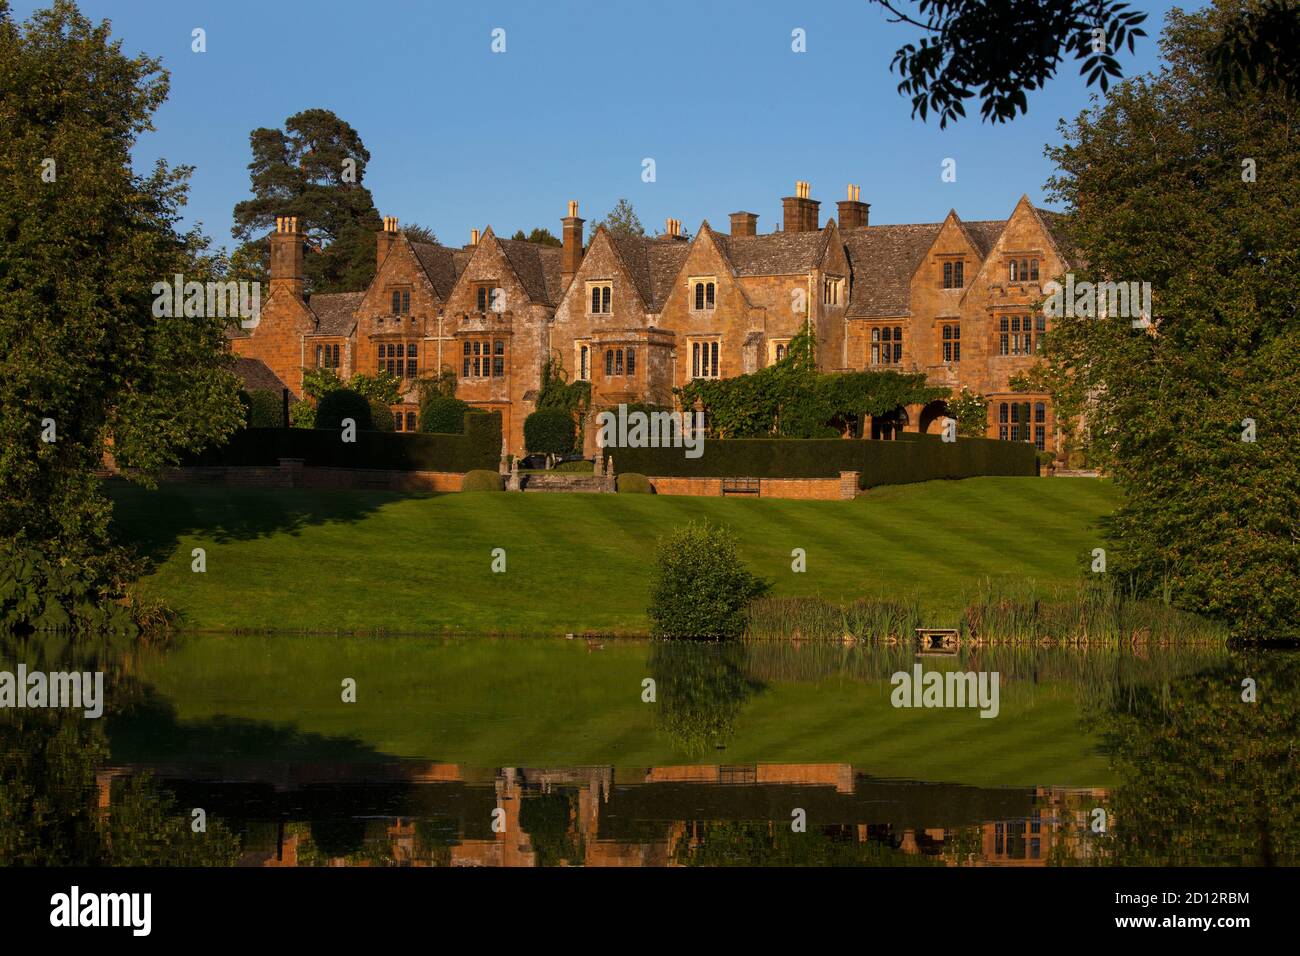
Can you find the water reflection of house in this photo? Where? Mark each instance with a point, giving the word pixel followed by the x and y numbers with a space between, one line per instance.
pixel 657 816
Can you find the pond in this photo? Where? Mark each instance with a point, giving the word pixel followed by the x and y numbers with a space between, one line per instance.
pixel 271 750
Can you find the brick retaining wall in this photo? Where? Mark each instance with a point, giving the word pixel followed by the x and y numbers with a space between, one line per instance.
pixel 822 489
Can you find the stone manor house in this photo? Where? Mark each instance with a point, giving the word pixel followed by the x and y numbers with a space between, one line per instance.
pixel 638 316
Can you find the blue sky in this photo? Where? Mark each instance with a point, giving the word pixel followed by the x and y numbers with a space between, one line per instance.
pixel 461 137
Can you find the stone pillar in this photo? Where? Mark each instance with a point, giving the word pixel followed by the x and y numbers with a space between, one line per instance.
pixel 849 484
pixel 291 472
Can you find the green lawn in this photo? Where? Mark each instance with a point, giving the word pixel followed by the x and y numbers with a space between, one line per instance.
pixel 369 561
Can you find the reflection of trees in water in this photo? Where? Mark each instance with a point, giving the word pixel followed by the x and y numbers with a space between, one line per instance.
pixel 547 819
pixel 51 811
pixel 763 843
pixel 1208 778
pixel 700 689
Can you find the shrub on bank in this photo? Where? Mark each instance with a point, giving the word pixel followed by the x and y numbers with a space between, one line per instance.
pixel 480 479
pixel 629 482
pixel 701 590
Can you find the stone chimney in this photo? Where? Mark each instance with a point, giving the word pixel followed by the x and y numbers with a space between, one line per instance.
pixel 286 256
pixel 853 211
pixel 744 224
pixel 384 241
pixel 673 231
pixel 571 255
pixel 473 237
pixel 800 212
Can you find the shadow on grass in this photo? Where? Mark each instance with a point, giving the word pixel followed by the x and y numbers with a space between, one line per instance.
pixel 154 521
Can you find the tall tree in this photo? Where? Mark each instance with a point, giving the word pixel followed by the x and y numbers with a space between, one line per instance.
pixel 622 220
pixel 83 358
pixel 1172 182
pixel 314 169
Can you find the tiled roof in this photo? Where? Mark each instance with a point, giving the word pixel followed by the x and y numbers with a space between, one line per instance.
pixel 538 268
pixel 257 376
pixel 653 265
pixel 335 311
pixel 442 265
pixel 775 253
pixel 882 260
pixel 1055 223
pixel 984 234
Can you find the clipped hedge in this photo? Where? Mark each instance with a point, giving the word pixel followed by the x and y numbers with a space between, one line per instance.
pixel 443 414
pixel 265 408
pixel 550 431
pixel 916 458
pixel 381 416
pixel 340 404
pixel 478 448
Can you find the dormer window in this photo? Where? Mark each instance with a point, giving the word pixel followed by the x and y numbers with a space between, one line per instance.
pixel 954 274
pixel 602 294
pixel 705 292
pixel 831 291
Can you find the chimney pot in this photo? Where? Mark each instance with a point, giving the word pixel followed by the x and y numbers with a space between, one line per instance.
pixel 571 244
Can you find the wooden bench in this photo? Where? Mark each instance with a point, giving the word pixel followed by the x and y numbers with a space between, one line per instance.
pixel 740 486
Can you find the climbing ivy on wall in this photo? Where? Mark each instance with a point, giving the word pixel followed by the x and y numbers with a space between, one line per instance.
pixel 792 399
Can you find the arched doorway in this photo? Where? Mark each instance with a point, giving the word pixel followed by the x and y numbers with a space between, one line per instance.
pixel 932 416
pixel 887 427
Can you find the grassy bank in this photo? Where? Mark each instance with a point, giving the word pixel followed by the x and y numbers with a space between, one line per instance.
pixel 372 561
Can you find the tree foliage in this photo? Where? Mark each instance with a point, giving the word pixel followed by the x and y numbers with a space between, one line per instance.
pixel 701 588
pixel 541 236
pixel 1173 182
pixel 1003 50
pixel 83 360
pixel 313 169
pixel 622 220
pixel 792 399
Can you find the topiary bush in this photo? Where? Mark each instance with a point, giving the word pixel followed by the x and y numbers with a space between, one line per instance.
pixel 633 484
pixel 550 431
pixel 381 416
pixel 443 414
pixel 701 590
pixel 340 404
pixel 480 479
pixel 265 409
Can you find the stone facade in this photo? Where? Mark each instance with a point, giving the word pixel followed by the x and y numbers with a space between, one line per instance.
pixel 640 316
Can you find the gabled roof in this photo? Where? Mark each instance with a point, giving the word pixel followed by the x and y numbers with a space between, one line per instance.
pixel 652 264
pixel 984 234
pixel 538 268
pixel 1055 224
pixel 335 311
pixel 441 264
pixel 882 260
